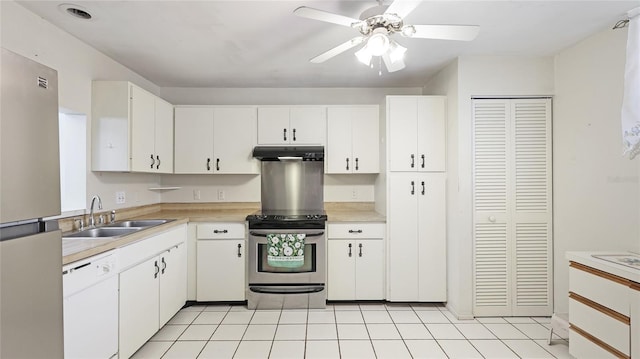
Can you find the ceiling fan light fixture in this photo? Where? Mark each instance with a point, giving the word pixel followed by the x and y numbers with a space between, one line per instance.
pixel 364 55
pixel 396 52
pixel 378 44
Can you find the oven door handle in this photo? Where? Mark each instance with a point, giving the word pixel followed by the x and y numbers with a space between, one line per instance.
pixel 287 289
pixel 258 234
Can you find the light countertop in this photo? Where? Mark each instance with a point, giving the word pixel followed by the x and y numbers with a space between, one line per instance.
pixel 595 260
pixel 78 249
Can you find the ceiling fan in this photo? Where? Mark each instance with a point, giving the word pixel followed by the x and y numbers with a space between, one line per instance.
pixel 377 25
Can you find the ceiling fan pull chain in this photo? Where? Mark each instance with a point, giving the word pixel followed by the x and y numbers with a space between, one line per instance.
pixel 379 65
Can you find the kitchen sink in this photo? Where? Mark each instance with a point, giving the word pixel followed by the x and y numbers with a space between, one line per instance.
pixel 103 232
pixel 139 223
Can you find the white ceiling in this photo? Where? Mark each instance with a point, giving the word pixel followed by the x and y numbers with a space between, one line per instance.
pixel 262 44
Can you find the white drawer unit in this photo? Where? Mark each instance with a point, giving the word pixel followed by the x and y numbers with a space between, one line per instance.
pixel 600 322
pixel 599 313
pixel 583 348
pixel 600 287
pixel 220 262
pixel 356 230
pixel 220 230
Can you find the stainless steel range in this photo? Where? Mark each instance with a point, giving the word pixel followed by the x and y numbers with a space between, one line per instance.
pixel 287 243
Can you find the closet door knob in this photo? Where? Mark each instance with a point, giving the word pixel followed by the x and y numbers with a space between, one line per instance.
pixel 492 219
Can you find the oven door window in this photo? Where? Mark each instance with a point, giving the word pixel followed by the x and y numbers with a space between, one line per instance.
pixel 309 265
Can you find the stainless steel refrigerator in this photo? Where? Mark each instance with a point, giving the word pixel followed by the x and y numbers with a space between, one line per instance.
pixel 31 321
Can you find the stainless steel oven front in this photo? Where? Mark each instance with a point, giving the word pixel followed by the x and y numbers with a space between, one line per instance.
pixel 280 287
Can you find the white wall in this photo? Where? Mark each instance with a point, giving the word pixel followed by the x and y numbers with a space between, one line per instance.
pixel 499 76
pixel 446 83
pixel 596 190
pixel 77 64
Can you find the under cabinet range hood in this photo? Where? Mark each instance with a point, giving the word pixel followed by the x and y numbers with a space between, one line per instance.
pixel 279 153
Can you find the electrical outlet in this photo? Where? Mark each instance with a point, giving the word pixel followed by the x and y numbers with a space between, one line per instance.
pixel 196 194
pixel 221 195
pixel 120 197
pixel 354 194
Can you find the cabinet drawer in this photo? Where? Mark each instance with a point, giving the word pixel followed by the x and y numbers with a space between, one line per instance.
pixel 609 292
pixel 581 347
pixel 356 230
pixel 608 329
pixel 137 252
pixel 220 231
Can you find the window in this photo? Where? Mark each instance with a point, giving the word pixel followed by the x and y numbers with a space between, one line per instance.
pixel 73 161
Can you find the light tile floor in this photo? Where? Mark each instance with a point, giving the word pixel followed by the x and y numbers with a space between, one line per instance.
pixel 349 331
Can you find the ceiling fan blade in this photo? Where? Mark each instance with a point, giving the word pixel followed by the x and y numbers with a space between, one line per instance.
pixel 392 66
pixel 321 15
pixel 402 8
pixel 446 32
pixel 338 50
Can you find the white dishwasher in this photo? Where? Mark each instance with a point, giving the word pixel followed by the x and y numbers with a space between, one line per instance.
pixel 90 289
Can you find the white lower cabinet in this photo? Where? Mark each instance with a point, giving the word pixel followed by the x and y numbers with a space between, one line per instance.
pixel 355 261
pixel 152 289
pixel 221 263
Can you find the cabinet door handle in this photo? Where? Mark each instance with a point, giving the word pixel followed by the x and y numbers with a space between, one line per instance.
pixel 413 188
pixel 217 164
pixel 423 188
pixel 355 231
pixel 413 160
pixel 208 164
pixel 356 163
pixel 349 249
pixel 164 265
pixel 155 275
pixel 284 130
pixel 220 231
pixel 158 165
pixel 153 161
pixel 359 249
pixel 347 164
pixel 239 250
pixel 294 134
pixel 422 156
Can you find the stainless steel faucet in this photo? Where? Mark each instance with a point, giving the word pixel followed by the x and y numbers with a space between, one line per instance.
pixel 92 220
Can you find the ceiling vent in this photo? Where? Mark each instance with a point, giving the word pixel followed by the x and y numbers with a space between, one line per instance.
pixel 76 11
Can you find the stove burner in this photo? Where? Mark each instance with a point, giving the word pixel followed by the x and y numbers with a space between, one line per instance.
pixel 262 220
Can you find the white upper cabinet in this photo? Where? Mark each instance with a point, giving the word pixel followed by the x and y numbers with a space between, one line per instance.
pixel 352 139
pixel 416 133
pixel 284 125
pixel 132 129
pixel 215 140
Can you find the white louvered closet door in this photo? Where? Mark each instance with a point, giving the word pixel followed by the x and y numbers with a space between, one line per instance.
pixel 512 207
